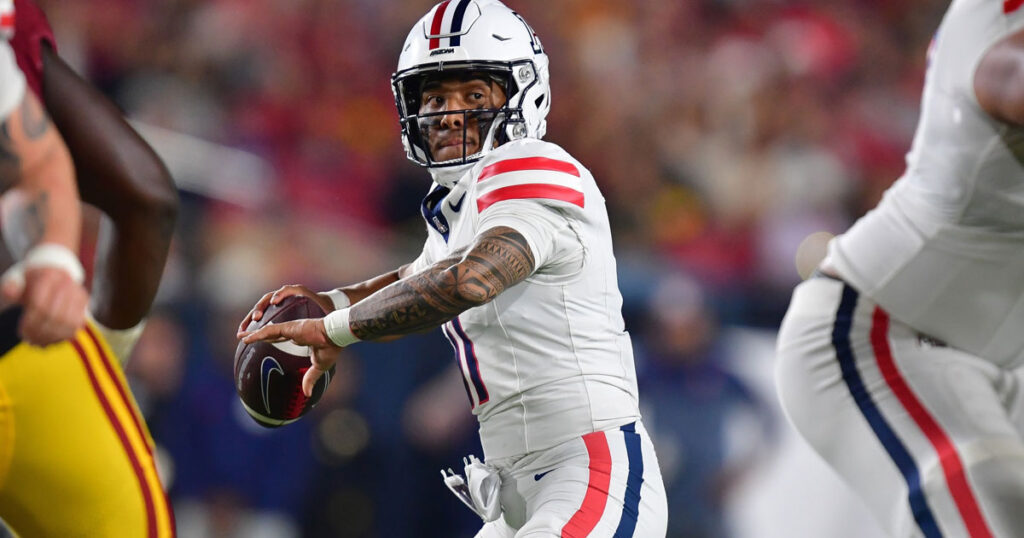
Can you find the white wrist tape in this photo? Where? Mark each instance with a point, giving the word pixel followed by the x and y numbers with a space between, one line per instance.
pixel 45 255
pixel 339 298
pixel 336 324
pixel 120 341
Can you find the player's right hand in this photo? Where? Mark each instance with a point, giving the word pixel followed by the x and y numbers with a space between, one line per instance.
pixel 54 305
pixel 275 297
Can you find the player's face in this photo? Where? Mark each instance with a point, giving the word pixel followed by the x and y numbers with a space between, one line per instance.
pixel 449 134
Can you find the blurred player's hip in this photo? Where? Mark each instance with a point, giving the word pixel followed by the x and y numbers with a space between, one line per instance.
pixel 920 430
pixel 604 484
pixel 76 459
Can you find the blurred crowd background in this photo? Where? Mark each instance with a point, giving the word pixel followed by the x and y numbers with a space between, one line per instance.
pixel 731 139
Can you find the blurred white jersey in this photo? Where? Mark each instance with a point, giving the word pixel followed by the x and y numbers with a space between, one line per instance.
pixel 12 82
pixel 944 250
pixel 548 359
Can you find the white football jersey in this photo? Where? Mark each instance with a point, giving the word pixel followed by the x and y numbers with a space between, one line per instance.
pixel 12 82
pixel 549 358
pixel 944 250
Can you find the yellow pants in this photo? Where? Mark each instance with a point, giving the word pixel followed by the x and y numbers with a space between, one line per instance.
pixel 76 458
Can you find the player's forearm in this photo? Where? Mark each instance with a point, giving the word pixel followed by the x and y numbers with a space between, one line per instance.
pixel 499 259
pixel 128 264
pixel 362 290
pixel 43 208
pixel 119 174
pixel 41 205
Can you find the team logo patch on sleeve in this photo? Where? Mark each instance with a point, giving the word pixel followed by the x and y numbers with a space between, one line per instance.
pixel 530 177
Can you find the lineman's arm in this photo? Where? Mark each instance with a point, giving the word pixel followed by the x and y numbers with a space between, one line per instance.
pixel 42 223
pixel 999 79
pixel 119 174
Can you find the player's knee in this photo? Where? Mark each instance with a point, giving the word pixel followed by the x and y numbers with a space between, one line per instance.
pixel 995 471
pixel 998 472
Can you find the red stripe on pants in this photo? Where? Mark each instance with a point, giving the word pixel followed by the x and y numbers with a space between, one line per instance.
pixel 952 467
pixel 125 443
pixel 130 406
pixel 586 518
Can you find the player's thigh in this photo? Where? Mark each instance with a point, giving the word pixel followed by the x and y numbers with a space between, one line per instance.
pixel 496 529
pixel 953 411
pixel 80 457
pixel 920 431
pixel 610 486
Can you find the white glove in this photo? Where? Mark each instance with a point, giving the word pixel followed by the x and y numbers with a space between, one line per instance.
pixel 479 490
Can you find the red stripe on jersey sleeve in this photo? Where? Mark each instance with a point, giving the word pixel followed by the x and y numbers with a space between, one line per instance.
pixel 533 190
pixel 1009 6
pixel 528 163
pixel 435 25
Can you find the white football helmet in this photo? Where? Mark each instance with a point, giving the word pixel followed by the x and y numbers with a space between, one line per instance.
pixel 482 37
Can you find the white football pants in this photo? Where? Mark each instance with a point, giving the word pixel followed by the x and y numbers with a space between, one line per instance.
pixel 921 431
pixel 604 484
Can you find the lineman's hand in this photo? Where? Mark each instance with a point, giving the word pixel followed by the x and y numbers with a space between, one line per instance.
pixel 54 305
pixel 275 297
pixel 304 332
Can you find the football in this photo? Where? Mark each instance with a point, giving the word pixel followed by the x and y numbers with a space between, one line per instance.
pixel 268 377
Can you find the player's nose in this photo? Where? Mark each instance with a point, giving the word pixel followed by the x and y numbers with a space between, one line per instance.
pixel 457 118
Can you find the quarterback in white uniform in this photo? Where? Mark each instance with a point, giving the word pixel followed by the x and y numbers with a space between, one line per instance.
pixel 519 273
pixel 896 362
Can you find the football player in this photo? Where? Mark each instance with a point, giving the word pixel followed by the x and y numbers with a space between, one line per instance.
pixel 896 361
pixel 70 429
pixel 35 170
pixel 519 274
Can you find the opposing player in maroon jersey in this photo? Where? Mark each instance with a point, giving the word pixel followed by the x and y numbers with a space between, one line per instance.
pixel 75 433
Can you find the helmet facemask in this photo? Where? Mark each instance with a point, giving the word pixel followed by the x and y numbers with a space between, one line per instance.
pixel 489 127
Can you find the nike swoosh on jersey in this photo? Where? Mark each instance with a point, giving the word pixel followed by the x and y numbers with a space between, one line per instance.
pixel 268 366
pixel 537 477
pixel 457 206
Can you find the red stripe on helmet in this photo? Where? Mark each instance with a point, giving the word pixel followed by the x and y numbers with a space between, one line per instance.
pixel 435 25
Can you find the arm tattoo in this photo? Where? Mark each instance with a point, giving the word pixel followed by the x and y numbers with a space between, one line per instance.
pixel 10 163
pixel 34 121
pixel 34 124
pixel 26 224
pixel 499 259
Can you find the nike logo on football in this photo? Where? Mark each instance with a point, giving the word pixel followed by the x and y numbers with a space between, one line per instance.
pixel 457 206
pixel 500 38
pixel 268 366
pixel 537 477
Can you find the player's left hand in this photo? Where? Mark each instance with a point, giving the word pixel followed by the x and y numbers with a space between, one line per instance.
pixel 54 305
pixel 304 332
